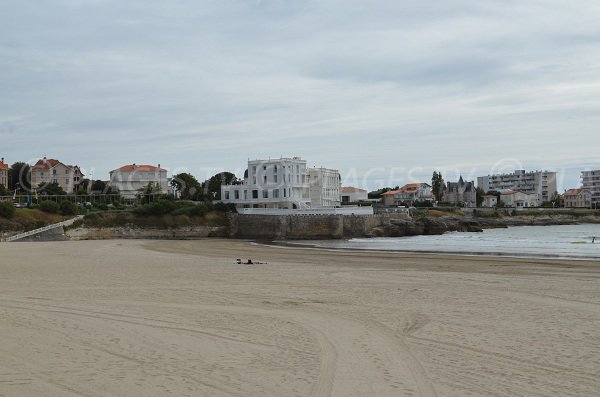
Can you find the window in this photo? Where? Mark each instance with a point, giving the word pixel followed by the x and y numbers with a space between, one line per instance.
pixel 275 168
pixel 264 167
pixel 275 193
pixel 226 195
pixel 254 180
pixel 66 172
pixel 53 172
pixel 236 194
pixel 265 179
pixel 275 178
pixel 265 194
pixel 255 194
pixel 284 192
pixel 245 195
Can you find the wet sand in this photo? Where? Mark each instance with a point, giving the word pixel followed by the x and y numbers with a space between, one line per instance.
pixel 160 318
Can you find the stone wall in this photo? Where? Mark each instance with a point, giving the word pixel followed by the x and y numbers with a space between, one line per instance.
pixel 304 227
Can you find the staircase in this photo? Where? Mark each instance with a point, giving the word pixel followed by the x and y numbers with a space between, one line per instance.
pixel 42 229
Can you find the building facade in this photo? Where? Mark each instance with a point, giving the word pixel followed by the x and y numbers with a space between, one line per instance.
pixel 47 171
pixel 325 185
pixel 272 183
pixel 461 193
pixel 408 194
pixel 540 183
pixel 4 169
pixel 489 201
pixel 352 194
pixel 590 180
pixel 518 199
pixel 131 180
pixel 577 198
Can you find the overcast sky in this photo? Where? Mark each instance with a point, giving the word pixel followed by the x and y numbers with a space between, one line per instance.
pixel 384 91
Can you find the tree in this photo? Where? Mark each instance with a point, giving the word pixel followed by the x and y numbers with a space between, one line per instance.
pixel 49 206
pixel 149 193
pixel 188 186
pixel 212 187
pixel 479 193
pixel 7 209
pixel 3 191
pixel 376 194
pixel 437 185
pixel 20 176
pixel 67 207
pixel 51 189
pixel 99 187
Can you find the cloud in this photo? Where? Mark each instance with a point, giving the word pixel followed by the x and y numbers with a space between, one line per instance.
pixel 383 85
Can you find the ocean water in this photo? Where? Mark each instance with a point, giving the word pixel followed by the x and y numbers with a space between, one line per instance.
pixel 565 241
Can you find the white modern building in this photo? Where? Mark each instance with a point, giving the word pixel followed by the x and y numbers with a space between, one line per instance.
pixel 590 180
pixel 518 199
pixel 325 185
pixel 283 183
pixel 540 183
pixel 130 180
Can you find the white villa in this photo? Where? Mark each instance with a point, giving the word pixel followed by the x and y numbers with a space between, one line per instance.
pixel 131 179
pixel 284 183
pixel 325 186
pixel 519 199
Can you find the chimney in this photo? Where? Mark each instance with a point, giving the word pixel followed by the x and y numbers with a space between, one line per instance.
pixel 158 165
pixel 2 160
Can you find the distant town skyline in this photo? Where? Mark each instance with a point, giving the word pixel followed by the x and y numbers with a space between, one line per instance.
pixel 385 91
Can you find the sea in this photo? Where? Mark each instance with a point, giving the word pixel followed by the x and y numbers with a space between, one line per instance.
pixel 564 241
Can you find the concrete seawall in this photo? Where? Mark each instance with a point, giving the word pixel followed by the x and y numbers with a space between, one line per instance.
pixel 305 227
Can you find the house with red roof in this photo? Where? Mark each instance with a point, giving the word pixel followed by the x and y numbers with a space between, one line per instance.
pixel 519 199
pixel 408 194
pixel 353 194
pixel 46 171
pixel 131 179
pixel 578 198
pixel 4 168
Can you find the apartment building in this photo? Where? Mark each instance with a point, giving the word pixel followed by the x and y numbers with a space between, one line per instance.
pixel 131 179
pixel 591 180
pixel 46 171
pixel 540 183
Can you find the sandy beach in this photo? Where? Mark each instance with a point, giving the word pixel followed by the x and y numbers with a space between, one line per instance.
pixel 181 318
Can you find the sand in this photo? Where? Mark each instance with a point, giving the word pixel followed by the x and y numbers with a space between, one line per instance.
pixel 180 318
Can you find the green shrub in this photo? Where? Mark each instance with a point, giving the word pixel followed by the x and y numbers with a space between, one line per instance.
pixel 67 207
pixel 49 206
pixel 156 208
pixel 7 209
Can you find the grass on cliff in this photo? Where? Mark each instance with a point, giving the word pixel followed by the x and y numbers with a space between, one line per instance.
pixel 28 219
pixel 163 214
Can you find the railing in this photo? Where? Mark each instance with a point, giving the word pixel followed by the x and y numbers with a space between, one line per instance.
pixel 42 229
pixel 312 211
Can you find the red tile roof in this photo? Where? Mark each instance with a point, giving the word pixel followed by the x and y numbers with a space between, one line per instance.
pixel 574 192
pixel 140 167
pixel 3 166
pixel 46 164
